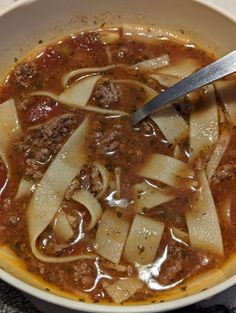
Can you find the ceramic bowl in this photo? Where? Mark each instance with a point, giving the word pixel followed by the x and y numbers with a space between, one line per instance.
pixel 27 22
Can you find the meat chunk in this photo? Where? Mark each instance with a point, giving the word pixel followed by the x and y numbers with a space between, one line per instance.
pixel 108 141
pixel 172 266
pixel 83 273
pixel 224 172
pixel 88 178
pixel 44 141
pixel 107 94
pixel 24 73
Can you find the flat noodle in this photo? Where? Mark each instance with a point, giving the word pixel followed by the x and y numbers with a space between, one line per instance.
pixel 181 69
pixel 83 71
pixel 110 36
pixel 226 91
pixel 151 65
pixel 146 33
pixel 202 220
pixel 177 152
pixel 111 236
pixel 171 123
pixel 105 178
pixel 25 188
pixel 167 170
pixel 166 79
pixel 204 126
pixel 147 197
pixel 123 289
pixel 143 240
pixel 118 182
pixel 9 126
pixel 49 194
pixel 116 267
pixel 61 227
pixel 86 198
pixel 218 153
pixel 80 105
pixel 79 92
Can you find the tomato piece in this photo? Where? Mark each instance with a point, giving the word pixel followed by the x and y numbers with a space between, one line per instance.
pixel 43 110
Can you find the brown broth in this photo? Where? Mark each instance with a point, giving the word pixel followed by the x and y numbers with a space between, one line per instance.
pixel 128 150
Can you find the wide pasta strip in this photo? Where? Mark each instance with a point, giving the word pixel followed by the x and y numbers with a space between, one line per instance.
pixel 49 194
pixel 147 33
pixel 181 69
pixel 25 188
pixel 106 178
pixel 9 126
pixel 143 240
pixel 78 94
pixel 62 228
pixel 202 220
pixel 166 79
pixel 218 152
pixel 86 198
pixel 84 71
pixel 151 65
pixel 123 289
pixel 168 170
pixel 110 35
pixel 147 197
pixel 111 236
pixel 226 91
pixel 171 123
pixel 204 126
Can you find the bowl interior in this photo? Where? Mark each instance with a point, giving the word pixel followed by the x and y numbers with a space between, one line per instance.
pixel 29 21
pixel 32 20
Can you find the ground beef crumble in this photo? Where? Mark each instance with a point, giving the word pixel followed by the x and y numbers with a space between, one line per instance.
pixel 174 264
pixel 88 178
pixel 107 94
pixel 44 141
pixel 24 73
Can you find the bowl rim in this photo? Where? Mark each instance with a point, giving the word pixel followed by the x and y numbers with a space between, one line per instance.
pixel 101 308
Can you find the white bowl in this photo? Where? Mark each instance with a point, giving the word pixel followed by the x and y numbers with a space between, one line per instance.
pixel 27 22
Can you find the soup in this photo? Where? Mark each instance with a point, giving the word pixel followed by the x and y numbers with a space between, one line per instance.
pixel 104 210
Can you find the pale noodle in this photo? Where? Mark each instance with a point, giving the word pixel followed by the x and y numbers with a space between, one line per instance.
pixel 9 126
pixel 111 236
pixel 49 194
pixel 202 220
pixel 147 197
pixel 143 240
pixel 86 198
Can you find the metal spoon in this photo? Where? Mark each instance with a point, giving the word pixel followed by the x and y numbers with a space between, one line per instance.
pixel 216 70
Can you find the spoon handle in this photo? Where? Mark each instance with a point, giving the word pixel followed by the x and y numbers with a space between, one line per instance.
pixel 212 72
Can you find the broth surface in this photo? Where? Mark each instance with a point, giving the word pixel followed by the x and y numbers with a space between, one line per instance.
pixel 122 149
